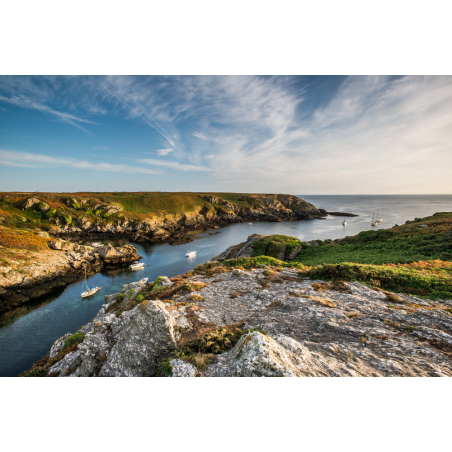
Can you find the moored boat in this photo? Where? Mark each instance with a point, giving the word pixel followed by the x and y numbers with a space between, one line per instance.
pixel 89 291
pixel 136 266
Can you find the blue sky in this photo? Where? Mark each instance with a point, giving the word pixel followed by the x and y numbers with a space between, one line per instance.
pixel 291 134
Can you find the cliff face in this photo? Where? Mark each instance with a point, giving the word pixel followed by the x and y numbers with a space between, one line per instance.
pixel 48 270
pixel 154 217
pixel 220 211
pixel 220 321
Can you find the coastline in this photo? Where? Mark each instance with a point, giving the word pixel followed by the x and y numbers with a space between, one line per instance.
pixel 41 270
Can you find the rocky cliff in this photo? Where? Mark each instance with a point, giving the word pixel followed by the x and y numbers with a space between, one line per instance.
pixel 152 216
pixel 267 321
pixel 62 264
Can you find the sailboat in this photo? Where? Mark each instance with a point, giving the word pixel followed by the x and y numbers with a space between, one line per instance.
pixel 378 219
pixel 89 291
pixel 374 220
pixel 344 223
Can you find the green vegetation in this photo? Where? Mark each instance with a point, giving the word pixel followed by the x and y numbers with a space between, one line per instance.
pixel 75 339
pixel 139 298
pixel 165 369
pixel 157 282
pixel 412 259
pixel 401 244
pixel 434 283
pixel 274 245
pixel 37 372
pixel 199 352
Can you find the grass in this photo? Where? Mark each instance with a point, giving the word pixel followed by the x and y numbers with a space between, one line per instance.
pixel 399 245
pixel 351 259
pixel 22 239
pixel 73 340
pixel 137 206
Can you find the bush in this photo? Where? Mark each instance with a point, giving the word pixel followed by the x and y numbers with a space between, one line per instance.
pixel 37 372
pixel 75 339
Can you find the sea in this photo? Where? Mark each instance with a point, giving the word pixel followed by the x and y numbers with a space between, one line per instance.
pixel 28 332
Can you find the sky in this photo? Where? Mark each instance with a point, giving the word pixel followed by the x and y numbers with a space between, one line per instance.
pixel 273 134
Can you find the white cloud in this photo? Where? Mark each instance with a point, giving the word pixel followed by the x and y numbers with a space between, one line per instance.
pixel 164 151
pixel 174 165
pixel 16 158
pixel 102 148
pixel 24 102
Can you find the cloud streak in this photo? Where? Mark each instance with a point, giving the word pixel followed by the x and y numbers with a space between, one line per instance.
pixel 16 158
pixel 61 116
pixel 174 165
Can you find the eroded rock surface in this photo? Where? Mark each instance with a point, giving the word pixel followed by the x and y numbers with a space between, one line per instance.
pixel 299 327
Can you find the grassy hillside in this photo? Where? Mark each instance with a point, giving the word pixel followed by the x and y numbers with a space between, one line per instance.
pixel 414 258
pixel 421 239
pixel 135 206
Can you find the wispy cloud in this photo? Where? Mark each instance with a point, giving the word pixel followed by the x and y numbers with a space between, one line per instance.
pixel 102 148
pixel 67 118
pixel 164 151
pixel 175 165
pixel 16 158
pixel 370 134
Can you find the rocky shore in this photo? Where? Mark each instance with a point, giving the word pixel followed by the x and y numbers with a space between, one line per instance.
pixel 266 321
pixel 173 228
pixel 62 264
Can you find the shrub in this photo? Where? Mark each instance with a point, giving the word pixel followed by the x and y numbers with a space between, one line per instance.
pixel 165 369
pixel 37 372
pixel 75 339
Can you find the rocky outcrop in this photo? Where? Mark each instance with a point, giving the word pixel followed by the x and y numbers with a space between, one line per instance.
pixel 244 249
pixel 292 327
pixel 51 270
pixel 173 227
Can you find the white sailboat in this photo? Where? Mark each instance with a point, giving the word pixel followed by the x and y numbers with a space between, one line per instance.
pixel 89 291
pixel 374 222
pixel 378 219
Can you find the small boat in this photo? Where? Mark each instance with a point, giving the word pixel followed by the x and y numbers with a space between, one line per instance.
pixel 344 223
pixel 143 280
pixel 250 223
pixel 89 291
pixel 374 221
pixel 191 254
pixel 378 219
pixel 136 266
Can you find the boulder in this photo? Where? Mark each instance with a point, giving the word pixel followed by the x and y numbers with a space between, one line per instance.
pixel 148 338
pixel 30 202
pixel 257 355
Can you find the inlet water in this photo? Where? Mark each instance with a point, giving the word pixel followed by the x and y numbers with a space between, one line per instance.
pixel 27 333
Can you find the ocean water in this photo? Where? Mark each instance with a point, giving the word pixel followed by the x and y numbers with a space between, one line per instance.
pixel 27 333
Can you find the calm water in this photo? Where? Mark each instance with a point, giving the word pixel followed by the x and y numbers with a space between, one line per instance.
pixel 27 334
